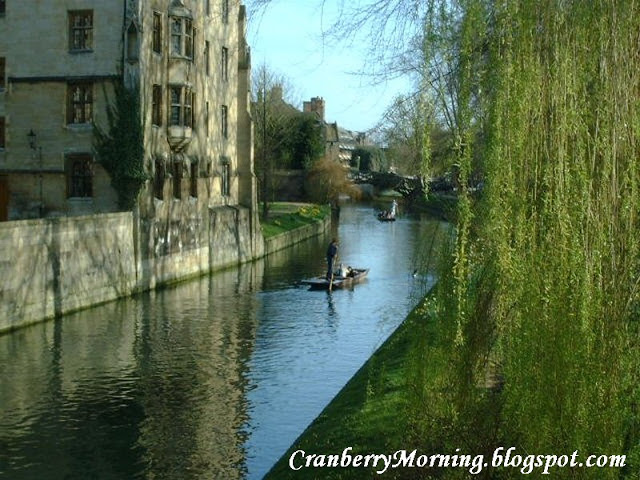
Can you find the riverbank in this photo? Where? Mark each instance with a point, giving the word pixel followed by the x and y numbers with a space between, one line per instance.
pixel 371 414
pixel 292 223
pixel 287 216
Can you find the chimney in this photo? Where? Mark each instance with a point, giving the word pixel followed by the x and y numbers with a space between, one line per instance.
pixel 276 92
pixel 315 105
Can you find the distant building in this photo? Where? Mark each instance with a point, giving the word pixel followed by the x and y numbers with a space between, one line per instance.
pixel 188 60
pixel 276 102
pixel 315 105
pixel 339 142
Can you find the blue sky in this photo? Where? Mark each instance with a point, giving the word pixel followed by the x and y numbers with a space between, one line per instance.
pixel 287 38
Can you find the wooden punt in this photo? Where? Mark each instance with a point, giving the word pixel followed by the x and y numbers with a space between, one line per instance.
pixel 321 283
pixel 386 217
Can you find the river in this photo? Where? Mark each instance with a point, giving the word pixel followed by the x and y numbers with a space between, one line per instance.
pixel 211 378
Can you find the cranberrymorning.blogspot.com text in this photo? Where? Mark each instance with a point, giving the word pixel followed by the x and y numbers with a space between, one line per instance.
pixel 502 457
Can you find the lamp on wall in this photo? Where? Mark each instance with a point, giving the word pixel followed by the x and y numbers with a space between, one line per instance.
pixel 32 139
pixel 33 145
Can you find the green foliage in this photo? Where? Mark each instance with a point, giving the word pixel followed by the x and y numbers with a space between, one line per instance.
pixel 283 137
pixel 120 148
pixel 538 292
pixel 304 142
pixel 440 148
pixel 284 222
pixel 326 180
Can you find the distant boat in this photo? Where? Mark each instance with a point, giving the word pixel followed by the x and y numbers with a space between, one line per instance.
pixel 386 217
pixel 354 275
pixel 389 215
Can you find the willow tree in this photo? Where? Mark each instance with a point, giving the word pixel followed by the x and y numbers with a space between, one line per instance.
pixel 402 130
pixel 544 275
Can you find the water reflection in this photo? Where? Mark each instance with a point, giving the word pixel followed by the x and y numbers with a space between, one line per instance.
pixel 191 365
pixel 144 388
pixel 212 378
pixel 332 308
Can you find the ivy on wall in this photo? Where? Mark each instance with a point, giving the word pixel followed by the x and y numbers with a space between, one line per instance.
pixel 120 148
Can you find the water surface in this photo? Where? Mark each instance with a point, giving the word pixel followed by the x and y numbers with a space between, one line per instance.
pixel 213 378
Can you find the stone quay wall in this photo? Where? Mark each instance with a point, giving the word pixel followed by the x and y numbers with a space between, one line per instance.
pixel 286 239
pixel 54 266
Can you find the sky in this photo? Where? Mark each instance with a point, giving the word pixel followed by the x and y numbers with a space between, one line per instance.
pixel 286 37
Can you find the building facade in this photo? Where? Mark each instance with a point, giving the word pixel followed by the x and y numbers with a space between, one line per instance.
pixel 340 143
pixel 189 63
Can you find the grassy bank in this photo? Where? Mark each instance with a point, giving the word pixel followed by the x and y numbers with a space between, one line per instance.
pixel 284 217
pixel 370 414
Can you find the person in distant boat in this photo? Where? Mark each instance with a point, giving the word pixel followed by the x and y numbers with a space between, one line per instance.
pixel 332 252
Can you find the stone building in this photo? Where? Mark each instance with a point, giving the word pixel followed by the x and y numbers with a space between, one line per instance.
pixel 340 143
pixel 189 62
pixel 315 105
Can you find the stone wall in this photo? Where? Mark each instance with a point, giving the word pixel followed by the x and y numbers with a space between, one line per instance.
pixel 286 239
pixel 58 265
pixel 54 266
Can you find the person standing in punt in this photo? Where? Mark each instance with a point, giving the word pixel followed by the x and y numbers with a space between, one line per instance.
pixel 332 252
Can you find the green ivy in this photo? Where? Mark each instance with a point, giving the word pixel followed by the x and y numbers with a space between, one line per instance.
pixel 120 148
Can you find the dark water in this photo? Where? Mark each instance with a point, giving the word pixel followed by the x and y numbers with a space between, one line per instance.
pixel 213 378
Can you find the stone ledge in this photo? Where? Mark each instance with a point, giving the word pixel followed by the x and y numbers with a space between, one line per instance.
pixel 287 239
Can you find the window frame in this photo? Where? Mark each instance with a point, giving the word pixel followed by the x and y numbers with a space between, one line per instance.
pixel 159 176
pixel 193 179
pixel 224 121
pixel 177 179
pixel 175 105
pixel 3 72
pixel 188 104
pixel 83 104
pixel 184 106
pixel 225 177
pixel 3 133
pixel 156 105
pixel 224 64
pixel 183 38
pixel 156 38
pixel 206 119
pixel 79 186
pixel 225 11
pixel 207 59
pixel 82 43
